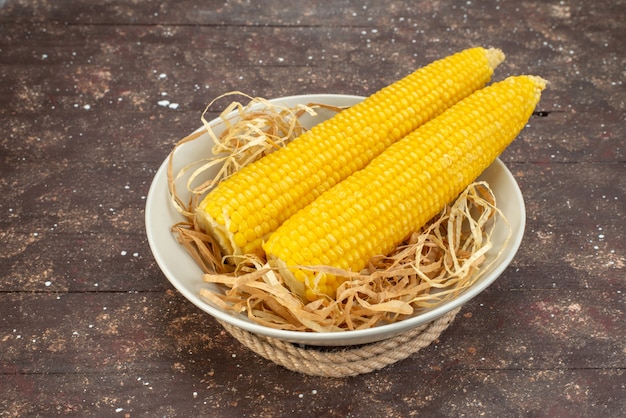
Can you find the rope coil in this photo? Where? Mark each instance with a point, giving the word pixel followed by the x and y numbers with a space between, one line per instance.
pixel 350 361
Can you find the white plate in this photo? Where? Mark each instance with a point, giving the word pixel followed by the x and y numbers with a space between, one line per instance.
pixel 186 276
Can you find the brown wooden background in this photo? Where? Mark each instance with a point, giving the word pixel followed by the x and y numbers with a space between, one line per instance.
pixel 89 326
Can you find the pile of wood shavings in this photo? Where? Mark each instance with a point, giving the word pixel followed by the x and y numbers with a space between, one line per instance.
pixel 432 266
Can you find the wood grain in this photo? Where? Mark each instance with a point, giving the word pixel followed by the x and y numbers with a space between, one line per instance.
pixel 93 95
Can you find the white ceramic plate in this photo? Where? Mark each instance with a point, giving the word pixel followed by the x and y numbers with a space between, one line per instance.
pixel 186 276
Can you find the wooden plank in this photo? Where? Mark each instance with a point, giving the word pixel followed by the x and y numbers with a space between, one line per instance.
pixel 112 331
pixel 446 393
pixel 373 59
pixel 128 350
pixel 452 16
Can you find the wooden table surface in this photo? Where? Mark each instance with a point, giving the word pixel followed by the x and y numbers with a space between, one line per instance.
pixel 95 94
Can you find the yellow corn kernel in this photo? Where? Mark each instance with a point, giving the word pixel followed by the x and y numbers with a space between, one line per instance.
pixel 275 187
pixel 399 191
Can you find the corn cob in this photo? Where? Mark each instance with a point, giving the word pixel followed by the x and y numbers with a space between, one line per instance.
pixel 243 210
pixel 373 210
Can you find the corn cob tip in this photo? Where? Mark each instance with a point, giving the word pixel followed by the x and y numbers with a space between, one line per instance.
pixel 495 57
pixel 537 82
pixel 540 82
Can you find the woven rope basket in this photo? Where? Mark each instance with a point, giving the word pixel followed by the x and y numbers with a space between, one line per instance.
pixel 348 361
